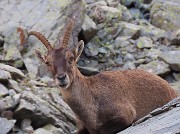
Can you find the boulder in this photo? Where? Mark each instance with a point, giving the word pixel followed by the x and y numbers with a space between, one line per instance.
pixel 15 73
pixel 48 17
pixel 160 121
pixel 165 14
pixel 172 58
pixel 3 90
pixel 45 107
pixel 144 42
pixel 4 75
pixel 6 125
pixel 89 28
pixel 157 67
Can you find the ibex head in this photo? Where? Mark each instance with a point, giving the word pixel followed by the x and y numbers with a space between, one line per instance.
pixel 62 61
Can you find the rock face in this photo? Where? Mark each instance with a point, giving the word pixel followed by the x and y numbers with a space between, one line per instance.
pixel 160 121
pixel 50 20
pixel 165 14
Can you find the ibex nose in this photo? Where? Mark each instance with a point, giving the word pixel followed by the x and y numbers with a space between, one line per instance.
pixel 61 77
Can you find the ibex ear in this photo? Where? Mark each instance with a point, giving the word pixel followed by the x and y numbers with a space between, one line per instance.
pixel 40 56
pixel 78 50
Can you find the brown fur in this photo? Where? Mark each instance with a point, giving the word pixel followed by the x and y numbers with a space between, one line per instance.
pixel 109 101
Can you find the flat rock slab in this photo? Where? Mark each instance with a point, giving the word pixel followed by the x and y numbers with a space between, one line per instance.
pixel 16 73
pixel 165 123
pixel 6 125
pixel 172 58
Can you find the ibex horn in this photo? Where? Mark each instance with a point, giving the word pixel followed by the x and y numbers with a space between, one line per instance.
pixel 67 33
pixel 24 36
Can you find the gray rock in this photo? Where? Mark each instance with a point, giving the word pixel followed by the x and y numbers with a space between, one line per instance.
pixel 136 13
pixel 157 67
pixel 16 98
pixel 25 123
pixel 6 125
pixel 128 3
pixel 91 49
pixel 13 54
pixel 3 90
pixel 34 15
pixel 4 75
pixel 42 131
pixel 6 103
pixel 167 121
pixel 172 58
pixel 49 129
pixel 15 73
pixel 11 92
pixel 89 28
pixel 165 14
pixel 176 87
pixel 29 130
pixel 41 108
pixel 14 85
pixel 128 29
pixel 88 71
pixel 144 42
pixel 126 14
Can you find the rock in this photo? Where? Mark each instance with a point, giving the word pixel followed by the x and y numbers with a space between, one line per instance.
pixel 15 73
pixel 49 129
pixel 89 28
pixel 4 76
pixel 176 87
pixel 14 85
pixel 165 14
pixel 7 103
pixel 48 17
pixel 16 98
pixel 3 90
pixel 41 131
pixel 167 121
pixel 12 92
pixel 126 14
pixel 136 13
pixel 157 67
pixel 25 124
pixel 144 42
pixel 7 114
pixel 42 110
pixel 29 130
pixel 91 49
pixel 6 125
pixel 88 71
pixel 13 54
pixel 128 29
pixel 172 58
pixel 132 3
pixel 106 14
pixel 129 65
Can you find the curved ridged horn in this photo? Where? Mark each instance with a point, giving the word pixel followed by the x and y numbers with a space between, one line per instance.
pixel 24 36
pixel 67 33
pixel 42 39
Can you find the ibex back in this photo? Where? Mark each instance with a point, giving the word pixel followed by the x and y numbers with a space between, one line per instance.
pixel 107 102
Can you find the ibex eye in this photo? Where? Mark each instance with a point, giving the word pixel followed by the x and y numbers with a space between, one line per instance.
pixel 71 59
pixel 47 63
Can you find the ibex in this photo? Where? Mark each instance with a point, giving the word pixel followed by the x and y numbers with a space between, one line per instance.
pixel 107 102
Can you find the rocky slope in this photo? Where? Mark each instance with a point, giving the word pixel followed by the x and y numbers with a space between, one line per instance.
pixel 118 35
